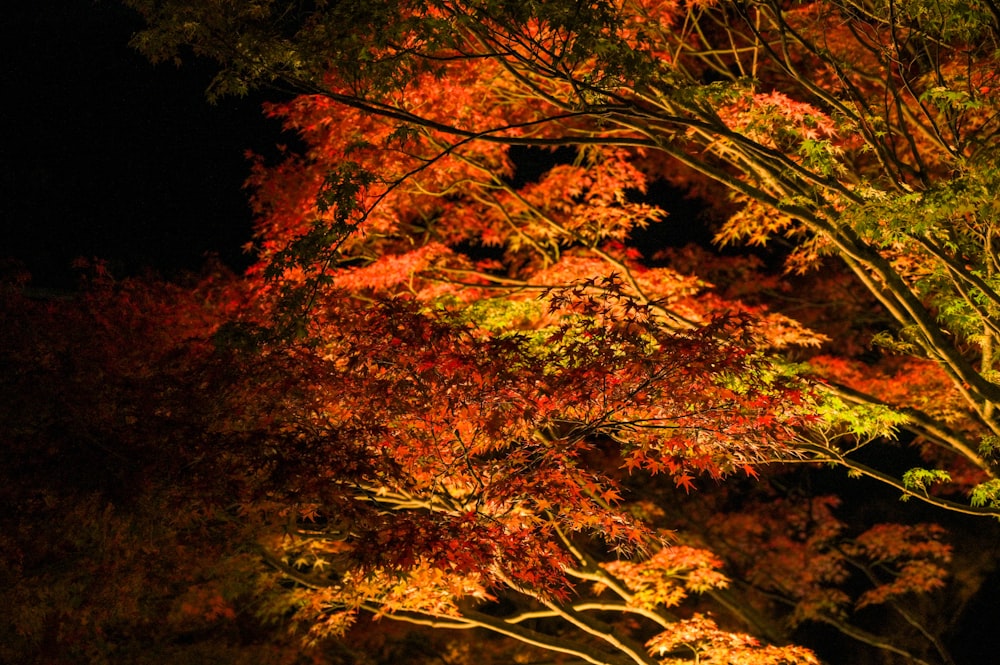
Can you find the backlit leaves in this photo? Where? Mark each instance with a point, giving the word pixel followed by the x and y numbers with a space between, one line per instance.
pixel 701 640
pixel 482 360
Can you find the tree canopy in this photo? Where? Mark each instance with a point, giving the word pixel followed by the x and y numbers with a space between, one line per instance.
pixel 469 385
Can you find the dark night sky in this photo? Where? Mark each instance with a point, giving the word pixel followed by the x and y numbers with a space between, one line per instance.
pixel 104 155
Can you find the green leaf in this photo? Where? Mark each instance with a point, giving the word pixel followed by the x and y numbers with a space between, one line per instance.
pixel 986 494
pixel 919 480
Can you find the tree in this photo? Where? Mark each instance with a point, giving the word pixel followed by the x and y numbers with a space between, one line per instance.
pixel 831 126
pixel 455 423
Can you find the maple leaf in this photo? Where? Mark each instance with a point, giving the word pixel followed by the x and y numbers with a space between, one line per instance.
pixel 685 480
pixel 395 384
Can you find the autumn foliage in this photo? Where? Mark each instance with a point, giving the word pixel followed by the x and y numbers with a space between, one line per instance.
pixel 468 387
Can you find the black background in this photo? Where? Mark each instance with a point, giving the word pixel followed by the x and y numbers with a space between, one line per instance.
pixel 105 155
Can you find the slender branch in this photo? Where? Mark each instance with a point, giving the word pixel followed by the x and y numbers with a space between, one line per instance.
pixel 592 606
pixel 918 422
pixel 829 454
pixel 870 639
pixel 548 642
pixel 959 269
pixel 634 651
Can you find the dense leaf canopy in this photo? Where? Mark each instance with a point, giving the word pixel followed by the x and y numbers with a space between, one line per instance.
pixel 466 386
